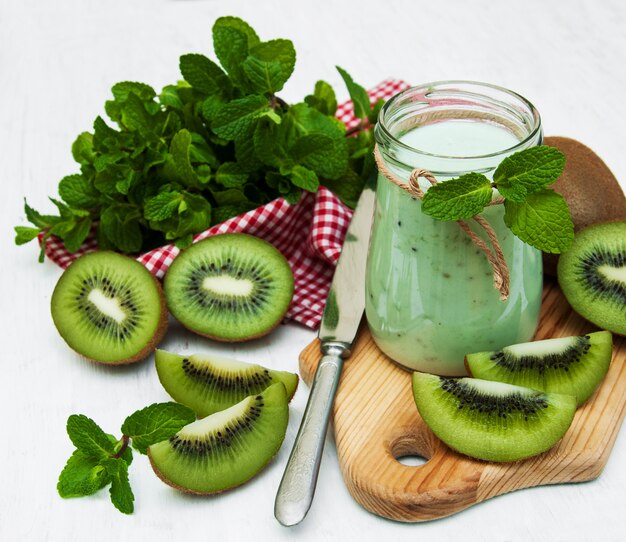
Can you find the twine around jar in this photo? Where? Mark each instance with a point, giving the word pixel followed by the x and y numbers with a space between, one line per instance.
pixel 501 276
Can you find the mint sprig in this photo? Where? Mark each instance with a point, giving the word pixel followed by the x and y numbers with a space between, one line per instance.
pixel 538 216
pixel 101 460
pixel 216 144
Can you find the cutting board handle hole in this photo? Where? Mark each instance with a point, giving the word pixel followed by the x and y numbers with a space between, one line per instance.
pixel 409 449
pixel 412 460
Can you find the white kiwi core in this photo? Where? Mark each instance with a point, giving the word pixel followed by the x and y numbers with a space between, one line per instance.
pixel 216 421
pixel 613 273
pixel 109 306
pixel 221 363
pixel 540 348
pixel 496 389
pixel 226 285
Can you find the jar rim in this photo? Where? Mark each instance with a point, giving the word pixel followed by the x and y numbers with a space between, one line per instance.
pixel 384 135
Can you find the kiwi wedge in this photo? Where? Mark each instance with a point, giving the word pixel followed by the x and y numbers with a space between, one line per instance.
pixel 226 449
pixel 210 383
pixel 493 421
pixel 592 275
pixel 109 308
pixel 570 365
pixel 229 287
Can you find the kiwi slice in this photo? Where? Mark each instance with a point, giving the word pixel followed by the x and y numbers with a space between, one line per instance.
pixel 210 383
pixel 225 449
pixel 592 275
pixel 492 420
pixel 109 308
pixel 229 287
pixel 570 365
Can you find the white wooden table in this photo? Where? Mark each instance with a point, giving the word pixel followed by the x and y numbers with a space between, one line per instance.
pixel 58 60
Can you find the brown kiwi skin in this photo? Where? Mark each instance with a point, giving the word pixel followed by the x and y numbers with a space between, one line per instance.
pixel 191 491
pixel 238 340
pixel 589 188
pixel 154 342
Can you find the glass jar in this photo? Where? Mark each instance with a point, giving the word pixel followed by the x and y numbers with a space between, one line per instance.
pixel 430 296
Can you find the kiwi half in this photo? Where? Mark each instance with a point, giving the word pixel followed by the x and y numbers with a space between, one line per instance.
pixel 570 365
pixel 226 449
pixel 492 420
pixel 229 287
pixel 592 275
pixel 109 308
pixel 210 383
pixel 591 191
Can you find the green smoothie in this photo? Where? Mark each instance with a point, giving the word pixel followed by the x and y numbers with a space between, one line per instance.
pixel 430 297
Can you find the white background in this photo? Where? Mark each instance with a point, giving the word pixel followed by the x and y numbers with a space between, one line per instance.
pixel 58 60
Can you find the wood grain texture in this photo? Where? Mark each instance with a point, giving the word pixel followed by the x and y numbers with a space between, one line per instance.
pixel 376 422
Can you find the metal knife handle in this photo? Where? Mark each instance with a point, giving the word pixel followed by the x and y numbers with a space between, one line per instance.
pixel 297 487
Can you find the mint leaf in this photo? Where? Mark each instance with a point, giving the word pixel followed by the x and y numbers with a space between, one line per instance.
pixel 373 114
pixel 269 143
pixel 180 149
pixel 306 120
pixel 120 224
pixel 36 218
pixel 323 98
pixel 193 215
pixel 75 237
pixel 236 119
pixel 82 149
pixel 231 175
pixel 121 493
pixel 78 191
pixel 322 154
pixel 358 95
pixel 162 206
pixel 269 65
pixel 24 234
pixel 232 39
pixel 88 437
pixel 82 475
pixel 156 423
pixel 528 171
pixel 348 187
pixel 458 198
pixel 122 90
pixel 543 221
pixel 304 178
pixel 265 77
pixel 135 117
pixel 205 75
pixel 169 97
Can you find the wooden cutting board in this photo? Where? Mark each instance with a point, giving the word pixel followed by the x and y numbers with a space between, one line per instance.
pixel 376 421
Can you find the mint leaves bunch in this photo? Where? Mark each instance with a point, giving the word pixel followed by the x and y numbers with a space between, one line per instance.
pixel 101 460
pixel 536 214
pixel 218 143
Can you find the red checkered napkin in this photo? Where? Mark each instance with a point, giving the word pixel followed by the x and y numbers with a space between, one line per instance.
pixel 309 234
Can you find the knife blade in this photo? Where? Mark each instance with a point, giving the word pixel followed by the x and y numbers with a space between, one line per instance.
pixel 340 322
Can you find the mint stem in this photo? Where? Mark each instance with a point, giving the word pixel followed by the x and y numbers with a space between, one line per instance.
pixel 275 102
pixel 125 441
pixel 360 127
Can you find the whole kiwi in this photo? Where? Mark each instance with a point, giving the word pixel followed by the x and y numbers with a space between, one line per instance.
pixel 590 189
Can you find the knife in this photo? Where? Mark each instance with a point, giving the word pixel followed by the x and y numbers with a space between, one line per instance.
pixel 340 322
